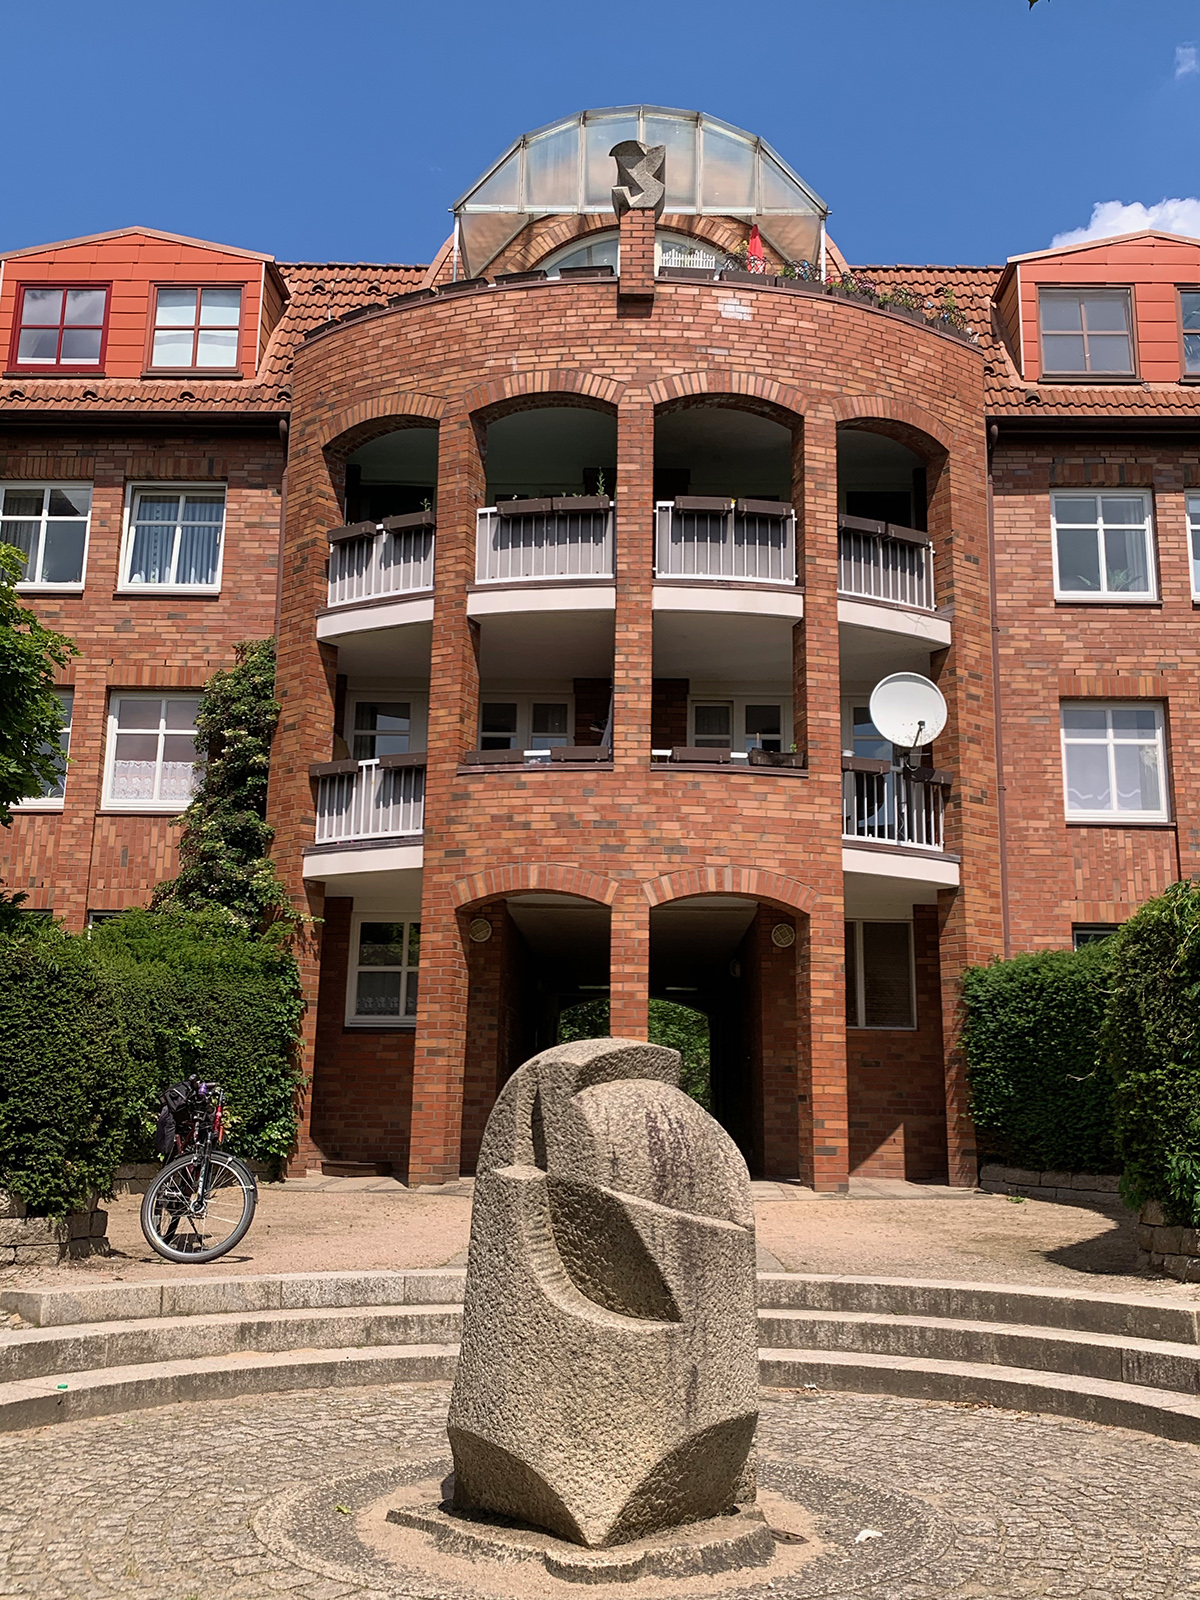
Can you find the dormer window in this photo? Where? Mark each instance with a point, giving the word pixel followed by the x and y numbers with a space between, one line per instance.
pixel 196 329
pixel 1189 315
pixel 60 328
pixel 1085 331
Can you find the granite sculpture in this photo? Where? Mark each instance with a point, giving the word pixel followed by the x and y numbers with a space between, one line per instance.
pixel 641 177
pixel 607 1387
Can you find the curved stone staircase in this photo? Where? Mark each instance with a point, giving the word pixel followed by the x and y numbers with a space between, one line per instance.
pixel 80 1352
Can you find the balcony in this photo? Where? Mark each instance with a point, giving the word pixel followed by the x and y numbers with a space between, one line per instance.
pixel 531 541
pixel 366 800
pixel 880 561
pixel 705 539
pixel 371 561
pixel 885 805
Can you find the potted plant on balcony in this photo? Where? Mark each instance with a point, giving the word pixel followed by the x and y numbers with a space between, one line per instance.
pixel 846 286
pixel 947 318
pixel 904 302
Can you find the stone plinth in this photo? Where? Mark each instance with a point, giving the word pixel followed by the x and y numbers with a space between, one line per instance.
pixel 607 1387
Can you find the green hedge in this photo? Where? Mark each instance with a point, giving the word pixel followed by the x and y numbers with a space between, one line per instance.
pixel 1152 1043
pixel 1041 1096
pixel 675 1026
pixel 94 1027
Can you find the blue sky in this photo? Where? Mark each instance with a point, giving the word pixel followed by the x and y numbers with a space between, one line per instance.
pixel 937 130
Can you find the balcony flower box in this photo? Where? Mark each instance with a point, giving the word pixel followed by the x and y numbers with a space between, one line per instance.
pixel 524 508
pixel 409 519
pixel 766 508
pixel 582 502
pixel 704 502
pixel 778 758
pixel 352 530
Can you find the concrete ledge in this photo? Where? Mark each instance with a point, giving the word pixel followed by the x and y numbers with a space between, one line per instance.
pixel 1115 1405
pixel 1098 1191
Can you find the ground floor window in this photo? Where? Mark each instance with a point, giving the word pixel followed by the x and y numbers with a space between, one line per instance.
pixel 383 972
pixel 1091 933
pixel 152 759
pixel 880 978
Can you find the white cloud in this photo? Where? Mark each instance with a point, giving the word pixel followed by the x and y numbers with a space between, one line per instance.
pixel 1111 217
pixel 1186 62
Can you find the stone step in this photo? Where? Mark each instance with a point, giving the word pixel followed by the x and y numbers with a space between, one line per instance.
pixel 1118 1405
pixel 1152 1363
pixel 71 1396
pixel 1176 1321
pixel 96 1346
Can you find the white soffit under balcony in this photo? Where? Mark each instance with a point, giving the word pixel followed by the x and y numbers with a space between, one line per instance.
pixel 780 602
pixel 529 597
pixel 346 620
pixel 935 631
pixel 398 648
pixel 919 870
pixel 365 870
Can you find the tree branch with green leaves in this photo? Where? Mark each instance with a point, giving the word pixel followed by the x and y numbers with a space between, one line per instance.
pixel 31 717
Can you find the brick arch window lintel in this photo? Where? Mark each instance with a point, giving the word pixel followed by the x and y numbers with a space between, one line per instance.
pixel 753 882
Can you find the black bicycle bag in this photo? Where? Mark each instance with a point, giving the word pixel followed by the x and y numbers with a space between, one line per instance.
pixel 175 1101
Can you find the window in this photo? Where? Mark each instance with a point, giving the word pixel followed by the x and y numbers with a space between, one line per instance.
pixel 880 980
pixel 1189 316
pixel 49 525
pixel 1193 510
pixel 1091 933
pixel 52 794
pixel 383 974
pixel 737 724
pixel 381 728
pixel 1102 545
pixel 174 538
pixel 196 328
pixel 1085 330
pixel 60 328
pixel 1113 766
pixel 152 751
pixel 520 722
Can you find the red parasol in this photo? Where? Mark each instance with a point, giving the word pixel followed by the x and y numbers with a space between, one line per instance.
pixel 755 260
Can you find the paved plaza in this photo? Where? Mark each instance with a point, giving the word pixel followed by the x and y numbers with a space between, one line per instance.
pixel 162 1505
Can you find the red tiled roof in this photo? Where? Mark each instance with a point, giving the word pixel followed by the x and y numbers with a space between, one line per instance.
pixel 317 291
pixel 1006 393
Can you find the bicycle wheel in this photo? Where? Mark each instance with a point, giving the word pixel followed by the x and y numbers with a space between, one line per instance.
pixel 182 1225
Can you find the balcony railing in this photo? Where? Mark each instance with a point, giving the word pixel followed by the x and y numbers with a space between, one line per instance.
pixel 893 806
pixel 521 541
pixel 368 560
pixel 712 538
pixel 370 799
pixel 881 561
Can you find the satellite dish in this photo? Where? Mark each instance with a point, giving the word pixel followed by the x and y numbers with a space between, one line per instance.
pixel 908 709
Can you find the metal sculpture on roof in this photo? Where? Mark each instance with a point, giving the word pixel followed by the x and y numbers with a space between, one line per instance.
pixel 640 172
pixel 711 169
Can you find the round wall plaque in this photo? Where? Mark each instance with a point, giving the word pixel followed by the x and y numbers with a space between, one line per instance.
pixel 783 935
pixel 480 930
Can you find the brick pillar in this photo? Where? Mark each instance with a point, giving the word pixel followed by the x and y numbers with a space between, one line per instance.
pixel 441 1039
pixel 971 929
pixel 820 964
pixel 629 970
pixel 633 644
pixel 771 979
pixel 636 286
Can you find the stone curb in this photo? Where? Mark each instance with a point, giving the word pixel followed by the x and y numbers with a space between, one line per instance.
pixel 1114 1405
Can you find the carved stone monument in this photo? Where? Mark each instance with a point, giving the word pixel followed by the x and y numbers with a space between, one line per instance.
pixel 607 1388
pixel 641 177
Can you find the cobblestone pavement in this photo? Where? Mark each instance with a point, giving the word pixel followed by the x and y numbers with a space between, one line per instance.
pixel 158 1505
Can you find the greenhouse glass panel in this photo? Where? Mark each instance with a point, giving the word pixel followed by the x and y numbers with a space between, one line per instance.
pixel 552 170
pixel 503 188
pixel 600 170
pixel 728 178
pixel 680 140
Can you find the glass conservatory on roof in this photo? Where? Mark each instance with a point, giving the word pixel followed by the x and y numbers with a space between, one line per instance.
pixel 712 169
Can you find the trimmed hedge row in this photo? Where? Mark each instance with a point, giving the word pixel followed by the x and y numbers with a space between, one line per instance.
pixel 94 1027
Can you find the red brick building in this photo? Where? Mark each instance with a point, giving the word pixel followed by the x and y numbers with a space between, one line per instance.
pixel 585 549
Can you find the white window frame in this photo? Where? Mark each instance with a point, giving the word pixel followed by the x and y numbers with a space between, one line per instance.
pixel 399 1024
pixel 132 491
pixel 524 701
pixel 739 702
pixel 1114 818
pixel 1193 520
pixel 235 327
pixel 36 585
pixel 418 721
pixel 146 807
pixel 55 802
pixel 1096 374
pixel 1104 596
pixel 860 996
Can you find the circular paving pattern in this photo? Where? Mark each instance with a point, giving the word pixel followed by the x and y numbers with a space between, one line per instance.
pixel 970 1503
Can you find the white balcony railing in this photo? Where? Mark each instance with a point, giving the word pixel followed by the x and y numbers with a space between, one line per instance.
pixel 711 538
pixel 372 801
pixel 371 560
pixel 893 808
pixel 880 561
pixel 521 541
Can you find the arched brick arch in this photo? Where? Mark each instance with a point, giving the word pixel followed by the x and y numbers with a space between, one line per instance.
pixel 739 385
pixel 354 425
pixel 752 882
pixel 570 383
pixel 547 876
pixel 904 417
